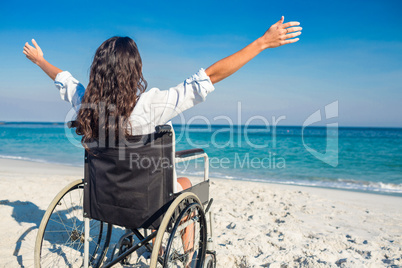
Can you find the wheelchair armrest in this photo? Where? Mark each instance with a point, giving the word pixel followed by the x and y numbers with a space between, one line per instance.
pixel 190 152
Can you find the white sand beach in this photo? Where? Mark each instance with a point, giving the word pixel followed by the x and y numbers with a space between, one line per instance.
pixel 256 224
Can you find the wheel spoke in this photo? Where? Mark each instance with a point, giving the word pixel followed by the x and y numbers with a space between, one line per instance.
pixel 62 238
pixel 182 236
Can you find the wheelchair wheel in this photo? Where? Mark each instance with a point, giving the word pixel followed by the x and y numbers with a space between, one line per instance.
pixel 60 239
pixel 182 236
pixel 210 261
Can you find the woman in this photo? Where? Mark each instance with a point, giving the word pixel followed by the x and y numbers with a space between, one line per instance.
pixel 116 89
pixel 115 102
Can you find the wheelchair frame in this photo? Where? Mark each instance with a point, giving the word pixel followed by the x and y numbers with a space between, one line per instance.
pixel 188 207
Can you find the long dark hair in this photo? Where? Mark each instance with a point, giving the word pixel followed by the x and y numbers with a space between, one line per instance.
pixel 115 84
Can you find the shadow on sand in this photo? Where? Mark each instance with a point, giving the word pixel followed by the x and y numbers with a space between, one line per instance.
pixel 24 212
pixel 28 212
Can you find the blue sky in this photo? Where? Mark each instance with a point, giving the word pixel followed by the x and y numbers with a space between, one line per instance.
pixel 350 51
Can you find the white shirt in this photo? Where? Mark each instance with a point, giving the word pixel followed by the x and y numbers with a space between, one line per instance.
pixel 154 107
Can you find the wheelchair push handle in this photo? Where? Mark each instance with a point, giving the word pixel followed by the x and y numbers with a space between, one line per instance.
pixel 163 129
pixel 72 124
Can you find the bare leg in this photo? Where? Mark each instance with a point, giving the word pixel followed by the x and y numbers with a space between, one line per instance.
pixel 184 183
pixel 187 234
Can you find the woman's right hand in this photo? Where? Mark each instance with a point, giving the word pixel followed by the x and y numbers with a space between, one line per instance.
pixel 34 54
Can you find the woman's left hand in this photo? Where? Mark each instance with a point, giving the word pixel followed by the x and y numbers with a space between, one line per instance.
pixel 280 34
pixel 34 54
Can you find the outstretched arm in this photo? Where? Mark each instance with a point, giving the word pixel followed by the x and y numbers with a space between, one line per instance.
pixel 277 35
pixel 35 55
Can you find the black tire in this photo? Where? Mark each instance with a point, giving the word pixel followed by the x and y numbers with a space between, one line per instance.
pixel 169 250
pixel 60 239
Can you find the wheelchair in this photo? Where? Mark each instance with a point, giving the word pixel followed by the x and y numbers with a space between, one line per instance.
pixel 130 186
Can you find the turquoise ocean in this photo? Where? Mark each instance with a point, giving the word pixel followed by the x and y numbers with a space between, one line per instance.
pixel 357 159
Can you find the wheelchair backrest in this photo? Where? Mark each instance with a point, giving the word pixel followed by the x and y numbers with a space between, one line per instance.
pixel 130 184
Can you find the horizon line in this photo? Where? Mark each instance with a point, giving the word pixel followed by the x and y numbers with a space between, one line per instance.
pixel 174 124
